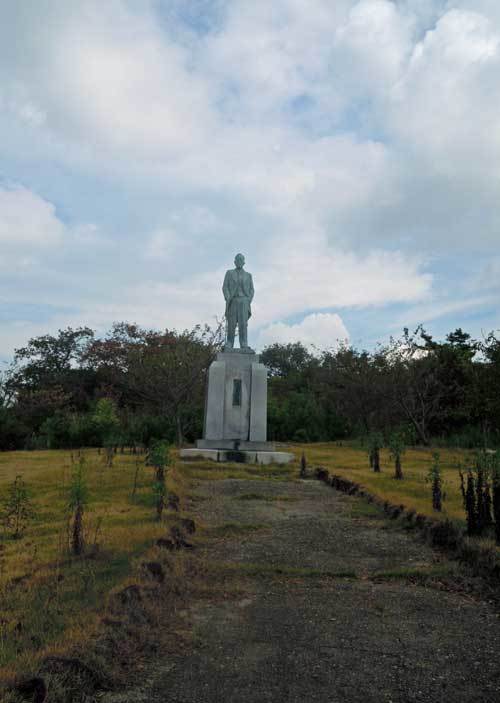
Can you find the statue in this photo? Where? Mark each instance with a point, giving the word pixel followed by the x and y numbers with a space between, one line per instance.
pixel 238 293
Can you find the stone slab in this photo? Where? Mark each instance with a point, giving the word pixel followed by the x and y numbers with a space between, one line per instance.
pixel 214 407
pixel 235 444
pixel 245 457
pixel 239 356
pixel 236 417
pixel 258 406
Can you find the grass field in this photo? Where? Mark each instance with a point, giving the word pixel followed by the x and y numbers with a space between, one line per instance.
pixel 50 599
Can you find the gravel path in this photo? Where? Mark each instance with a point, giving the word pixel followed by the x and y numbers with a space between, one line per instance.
pixel 326 600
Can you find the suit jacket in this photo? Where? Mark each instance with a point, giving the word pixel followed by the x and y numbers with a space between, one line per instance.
pixel 231 285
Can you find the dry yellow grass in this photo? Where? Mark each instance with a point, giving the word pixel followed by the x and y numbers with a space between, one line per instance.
pixel 413 491
pixel 46 596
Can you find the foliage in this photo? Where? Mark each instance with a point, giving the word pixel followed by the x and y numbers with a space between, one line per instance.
pixel 106 421
pixel 16 510
pixel 135 386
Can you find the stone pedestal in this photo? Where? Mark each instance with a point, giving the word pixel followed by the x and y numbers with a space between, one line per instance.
pixel 236 401
pixel 235 427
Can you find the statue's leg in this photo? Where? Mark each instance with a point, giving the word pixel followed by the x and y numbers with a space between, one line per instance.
pixel 231 329
pixel 243 334
pixel 243 324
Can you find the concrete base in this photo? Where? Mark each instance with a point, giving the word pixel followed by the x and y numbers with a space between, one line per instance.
pixel 243 457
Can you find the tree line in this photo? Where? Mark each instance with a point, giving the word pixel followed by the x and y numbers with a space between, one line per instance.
pixel 134 386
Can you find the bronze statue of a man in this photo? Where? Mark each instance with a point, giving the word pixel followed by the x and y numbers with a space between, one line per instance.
pixel 238 293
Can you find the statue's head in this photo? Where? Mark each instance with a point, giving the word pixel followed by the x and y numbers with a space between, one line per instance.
pixel 239 261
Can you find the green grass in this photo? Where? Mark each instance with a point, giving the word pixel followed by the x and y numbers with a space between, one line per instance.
pixel 361 509
pixel 266 498
pixel 433 571
pixel 257 569
pixel 235 528
pixel 212 471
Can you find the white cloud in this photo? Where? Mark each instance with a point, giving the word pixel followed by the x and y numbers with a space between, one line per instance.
pixel 162 244
pixel 373 45
pixel 447 102
pixel 320 330
pixel 27 220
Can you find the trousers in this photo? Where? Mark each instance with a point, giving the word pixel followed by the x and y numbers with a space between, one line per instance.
pixel 238 313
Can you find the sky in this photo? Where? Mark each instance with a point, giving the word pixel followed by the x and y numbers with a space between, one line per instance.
pixel 350 149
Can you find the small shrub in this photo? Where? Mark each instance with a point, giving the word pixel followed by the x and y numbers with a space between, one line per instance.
pixel 17 509
pixel 435 479
pixel 479 504
pixel 78 499
pixel 159 458
pixel 303 465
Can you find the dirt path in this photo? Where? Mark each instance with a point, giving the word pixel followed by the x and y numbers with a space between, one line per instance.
pixel 314 596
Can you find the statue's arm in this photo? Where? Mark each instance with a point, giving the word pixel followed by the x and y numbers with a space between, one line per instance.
pixel 251 288
pixel 225 288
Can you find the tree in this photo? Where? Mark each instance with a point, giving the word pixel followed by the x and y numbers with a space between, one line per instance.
pixel 495 477
pixel 487 385
pixel 49 362
pixel 7 389
pixel 354 381
pixel 375 444
pixel 413 384
pixel 162 373
pixel 396 450
pixel 287 360
pixel 48 355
